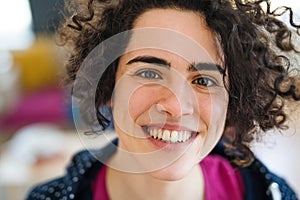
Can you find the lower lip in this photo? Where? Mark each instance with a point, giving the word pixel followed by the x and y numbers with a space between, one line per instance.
pixel 170 146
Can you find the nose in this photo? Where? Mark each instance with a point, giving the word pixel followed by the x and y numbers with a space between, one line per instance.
pixel 177 100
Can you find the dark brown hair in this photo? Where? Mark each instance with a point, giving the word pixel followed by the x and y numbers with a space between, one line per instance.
pixel 259 78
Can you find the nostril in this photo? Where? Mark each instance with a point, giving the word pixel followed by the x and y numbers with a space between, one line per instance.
pixel 160 108
pixel 169 109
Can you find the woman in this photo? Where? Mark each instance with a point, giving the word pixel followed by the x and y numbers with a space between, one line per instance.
pixel 189 85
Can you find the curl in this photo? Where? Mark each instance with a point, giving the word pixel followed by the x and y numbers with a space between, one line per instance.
pixel 78 20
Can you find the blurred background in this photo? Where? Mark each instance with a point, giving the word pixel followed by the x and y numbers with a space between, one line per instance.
pixel 37 133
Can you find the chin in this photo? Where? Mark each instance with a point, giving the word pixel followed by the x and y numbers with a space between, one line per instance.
pixel 173 172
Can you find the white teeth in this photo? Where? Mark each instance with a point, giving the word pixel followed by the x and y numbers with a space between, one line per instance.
pixel 174 136
pixel 159 134
pixel 151 132
pixel 166 135
pixel 185 136
pixel 155 133
pixel 180 137
pixel 170 136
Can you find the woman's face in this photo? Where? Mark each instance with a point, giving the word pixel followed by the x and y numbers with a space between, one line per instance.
pixel 167 107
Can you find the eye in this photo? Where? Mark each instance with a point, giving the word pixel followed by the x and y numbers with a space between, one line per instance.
pixel 149 74
pixel 203 81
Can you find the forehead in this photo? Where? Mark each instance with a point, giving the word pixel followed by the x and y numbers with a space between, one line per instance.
pixel 188 23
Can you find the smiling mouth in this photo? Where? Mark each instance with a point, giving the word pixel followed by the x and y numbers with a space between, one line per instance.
pixel 169 136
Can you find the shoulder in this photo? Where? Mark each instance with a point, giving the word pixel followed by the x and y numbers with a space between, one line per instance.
pixel 77 180
pixel 259 182
pixel 80 173
pixel 65 187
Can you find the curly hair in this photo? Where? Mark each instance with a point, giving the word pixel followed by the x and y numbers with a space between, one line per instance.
pixel 259 80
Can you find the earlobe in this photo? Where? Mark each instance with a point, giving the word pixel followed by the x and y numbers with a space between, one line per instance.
pixel 110 103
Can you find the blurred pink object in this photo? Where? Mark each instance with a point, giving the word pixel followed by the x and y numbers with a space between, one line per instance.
pixel 45 106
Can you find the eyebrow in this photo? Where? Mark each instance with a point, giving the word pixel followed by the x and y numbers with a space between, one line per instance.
pixel 162 62
pixel 206 66
pixel 150 60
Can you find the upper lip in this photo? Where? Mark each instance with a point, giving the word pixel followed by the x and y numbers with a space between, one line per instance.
pixel 173 127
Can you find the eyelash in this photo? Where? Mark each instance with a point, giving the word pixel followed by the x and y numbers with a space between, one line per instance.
pixel 146 72
pixel 208 82
pixel 205 82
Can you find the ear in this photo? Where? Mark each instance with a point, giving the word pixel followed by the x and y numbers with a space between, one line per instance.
pixel 110 103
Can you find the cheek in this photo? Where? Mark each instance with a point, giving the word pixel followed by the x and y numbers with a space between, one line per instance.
pixel 141 101
pixel 204 108
pixel 212 108
pixel 213 114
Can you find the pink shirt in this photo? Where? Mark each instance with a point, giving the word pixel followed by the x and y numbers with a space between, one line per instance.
pixel 221 180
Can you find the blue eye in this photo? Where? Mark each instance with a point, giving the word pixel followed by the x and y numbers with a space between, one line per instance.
pixel 202 81
pixel 149 74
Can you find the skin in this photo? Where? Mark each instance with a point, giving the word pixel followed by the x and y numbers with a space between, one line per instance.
pixel 158 89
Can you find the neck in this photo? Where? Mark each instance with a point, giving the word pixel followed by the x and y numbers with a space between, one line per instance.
pixel 123 185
